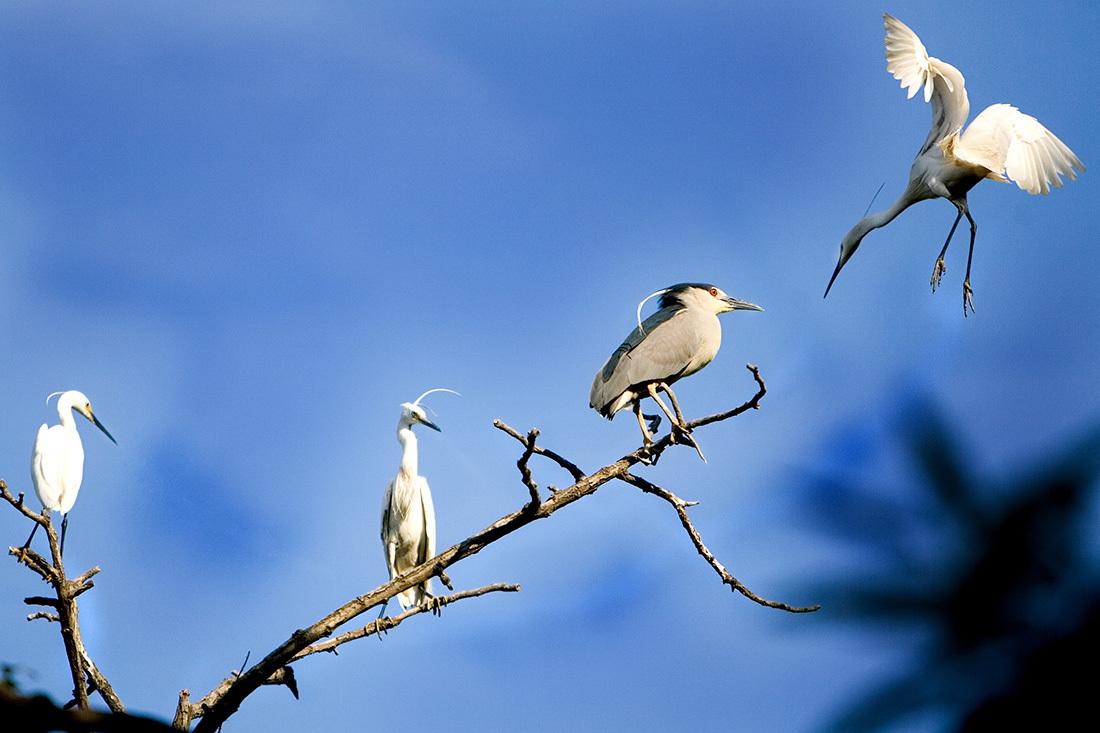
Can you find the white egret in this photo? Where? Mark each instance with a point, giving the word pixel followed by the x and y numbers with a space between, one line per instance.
pixel 1001 141
pixel 408 515
pixel 57 463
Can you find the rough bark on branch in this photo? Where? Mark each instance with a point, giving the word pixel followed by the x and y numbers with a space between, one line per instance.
pixel 67 613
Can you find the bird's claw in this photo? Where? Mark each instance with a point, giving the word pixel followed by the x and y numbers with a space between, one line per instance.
pixel 937 273
pixel 434 605
pixel 968 298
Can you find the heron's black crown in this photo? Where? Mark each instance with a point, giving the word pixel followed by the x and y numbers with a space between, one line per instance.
pixel 672 295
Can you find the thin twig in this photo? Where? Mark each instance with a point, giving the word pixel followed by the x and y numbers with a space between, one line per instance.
pixel 388 622
pixel 43 615
pixel 568 465
pixel 681 510
pixel 525 470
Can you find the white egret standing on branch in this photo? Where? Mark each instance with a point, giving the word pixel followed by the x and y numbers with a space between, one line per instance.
pixel 1001 141
pixel 408 515
pixel 57 464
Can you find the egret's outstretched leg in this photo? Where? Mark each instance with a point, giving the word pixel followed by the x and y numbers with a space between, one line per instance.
pixel 940 266
pixel 64 528
pixel 968 294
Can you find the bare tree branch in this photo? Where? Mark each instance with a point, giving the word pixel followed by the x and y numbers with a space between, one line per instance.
pixel 569 466
pixel 67 616
pixel 525 470
pixel 389 622
pixel 681 510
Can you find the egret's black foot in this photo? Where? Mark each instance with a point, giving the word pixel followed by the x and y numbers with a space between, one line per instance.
pixel 937 273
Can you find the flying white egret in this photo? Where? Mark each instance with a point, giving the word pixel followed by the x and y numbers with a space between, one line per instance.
pixel 57 463
pixel 1001 141
pixel 678 340
pixel 408 515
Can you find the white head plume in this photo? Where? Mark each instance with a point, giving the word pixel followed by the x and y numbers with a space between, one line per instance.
pixel 437 389
pixel 652 295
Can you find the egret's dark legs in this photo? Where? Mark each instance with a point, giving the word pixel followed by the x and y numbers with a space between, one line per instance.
pixel 941 266
pixel 968 294
pixel 378 621
pixel 27 544
pixel 64 528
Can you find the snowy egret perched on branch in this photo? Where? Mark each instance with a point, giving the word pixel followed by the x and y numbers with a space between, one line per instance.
pixel 57 464
pixel 678 340
pixel 408 515
pixel 1001 141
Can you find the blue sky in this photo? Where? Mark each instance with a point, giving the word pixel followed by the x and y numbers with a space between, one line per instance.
pixel 250 231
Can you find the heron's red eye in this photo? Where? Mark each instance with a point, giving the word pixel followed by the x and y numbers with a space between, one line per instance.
pixel 714 292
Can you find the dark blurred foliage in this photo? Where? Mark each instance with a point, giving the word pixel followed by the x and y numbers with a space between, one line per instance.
pixel 993 576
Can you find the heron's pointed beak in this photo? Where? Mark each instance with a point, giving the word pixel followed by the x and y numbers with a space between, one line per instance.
pixel 98 424
pixel 430 424
pixel 741 305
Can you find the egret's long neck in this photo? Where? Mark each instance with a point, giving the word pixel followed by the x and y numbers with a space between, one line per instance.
pixel 65 415
pixel 409 453
pixel 880 218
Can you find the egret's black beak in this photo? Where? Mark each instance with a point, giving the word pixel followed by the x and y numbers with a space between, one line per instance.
pixel 431 424
pixel 741 305
pixel 98 424
pixel 844 257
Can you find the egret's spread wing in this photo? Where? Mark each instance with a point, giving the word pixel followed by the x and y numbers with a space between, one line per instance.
pixel 908 61
pixel 1007 141
pixel 907 58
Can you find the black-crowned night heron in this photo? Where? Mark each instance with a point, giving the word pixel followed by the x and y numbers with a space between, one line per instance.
pixel 1001 141
pixel 408 515
pixel 57 463
pixel 678 340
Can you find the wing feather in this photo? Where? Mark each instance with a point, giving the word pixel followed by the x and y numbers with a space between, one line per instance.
pixel 625 367
pixel 907 58
pixel 1008 142
pixel 944 87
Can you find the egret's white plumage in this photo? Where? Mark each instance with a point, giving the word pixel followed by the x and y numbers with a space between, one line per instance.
pixel 408 515
pixel 57 462
pixel 1001 143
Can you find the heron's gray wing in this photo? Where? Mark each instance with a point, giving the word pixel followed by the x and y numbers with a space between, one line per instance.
pixel 659 351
